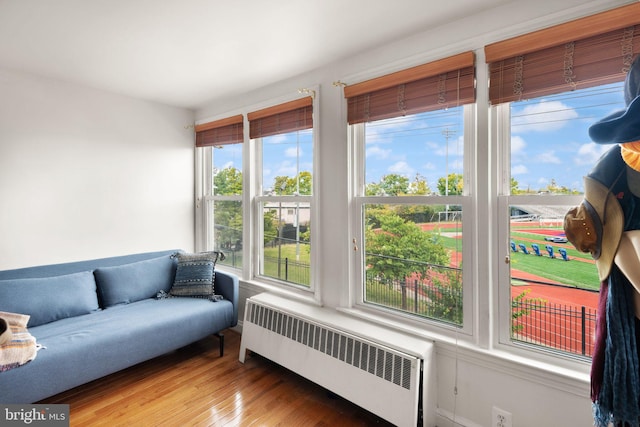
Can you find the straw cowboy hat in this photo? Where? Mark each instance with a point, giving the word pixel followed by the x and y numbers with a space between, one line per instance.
pixel 596 225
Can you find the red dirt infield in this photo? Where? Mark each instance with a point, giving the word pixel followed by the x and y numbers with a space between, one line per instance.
pixel 557 294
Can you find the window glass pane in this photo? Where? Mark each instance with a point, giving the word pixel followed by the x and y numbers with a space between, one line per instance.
pixel 413 259
pixel 550 147
pixel 226 161
pixel 225 216
pixel 554 287
pixel 286 250
pixel 417 154
pixel 287 163
pixel 227 229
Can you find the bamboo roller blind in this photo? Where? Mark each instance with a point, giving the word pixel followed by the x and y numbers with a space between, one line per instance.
pixel 281 118
pixel 579 54
pixel 436 85
pixel 220 132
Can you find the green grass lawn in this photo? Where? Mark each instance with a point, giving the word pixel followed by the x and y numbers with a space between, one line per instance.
pixel 292 274
pixel 572 273
pixel 288 251
pixel 575 273
pixel 583 275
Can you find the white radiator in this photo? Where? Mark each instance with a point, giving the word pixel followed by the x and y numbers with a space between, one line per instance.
pixel 386 372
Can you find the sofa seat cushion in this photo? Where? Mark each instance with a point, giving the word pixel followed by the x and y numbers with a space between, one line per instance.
pixel 127 283
pixel 47 299
pixel 115 339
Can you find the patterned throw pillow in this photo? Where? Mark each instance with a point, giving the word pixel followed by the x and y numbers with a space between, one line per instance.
pixel 195 274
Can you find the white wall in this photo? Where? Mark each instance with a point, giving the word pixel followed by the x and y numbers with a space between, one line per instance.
pixel 86 174
pixel 536 394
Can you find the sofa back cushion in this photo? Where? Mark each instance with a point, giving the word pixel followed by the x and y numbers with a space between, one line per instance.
pixel 127 283
pixel 47 299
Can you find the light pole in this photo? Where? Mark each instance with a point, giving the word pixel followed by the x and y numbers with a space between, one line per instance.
pixel 280 229
pixel 447 134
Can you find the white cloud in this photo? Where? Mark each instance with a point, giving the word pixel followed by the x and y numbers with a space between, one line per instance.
pixel 429 166
pixel 543 116
pixel 293 152
pixel 431 145
pixel 455 147
pixel 278 138
pixel 286 169
pixel 377 152
pixel 457 165
pixel 589 153
pixel 548 157
pixel 519 170
pixel 517 144
pixel 401 168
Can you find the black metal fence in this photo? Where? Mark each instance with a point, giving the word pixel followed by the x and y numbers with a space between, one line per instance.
pixel 434 295
pixel 558 326
pixel 232 258
pixel 287 269
pixel 437 294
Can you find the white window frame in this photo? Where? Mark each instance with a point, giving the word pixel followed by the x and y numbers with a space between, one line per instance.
pixel 256 199
pixel 467 201
pixel 205 198
pixel 501 134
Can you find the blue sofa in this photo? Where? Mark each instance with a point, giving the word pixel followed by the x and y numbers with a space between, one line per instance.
pixel 97 317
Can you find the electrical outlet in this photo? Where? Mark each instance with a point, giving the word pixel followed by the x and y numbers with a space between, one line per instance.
pixel 500 418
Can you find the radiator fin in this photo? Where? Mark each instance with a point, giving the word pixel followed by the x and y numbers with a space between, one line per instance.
pixel 349 349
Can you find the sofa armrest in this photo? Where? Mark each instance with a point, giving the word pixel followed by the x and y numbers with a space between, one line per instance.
pixel 226 284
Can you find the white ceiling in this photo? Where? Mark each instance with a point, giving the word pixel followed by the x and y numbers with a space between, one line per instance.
pixel 189 52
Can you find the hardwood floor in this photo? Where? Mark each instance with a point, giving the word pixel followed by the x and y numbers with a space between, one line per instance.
pixel 193 386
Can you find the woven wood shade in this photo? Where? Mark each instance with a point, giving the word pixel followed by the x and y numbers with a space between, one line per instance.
pixel 579 54
pixel 220 132
pixel 282 118
pixel 441 84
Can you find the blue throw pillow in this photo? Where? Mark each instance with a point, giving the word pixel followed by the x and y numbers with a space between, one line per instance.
pixel 127 283
pixel 195 275
pixel 47 299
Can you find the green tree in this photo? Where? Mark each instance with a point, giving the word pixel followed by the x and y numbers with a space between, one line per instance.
pixel 227 214
pixel 299 184
pixel 419 186
pixel 445 294
pixel 270 224
pixel 389 185
pixel 554 188
pixel 454 183
pixel 397 248
pixel 515 187
pixel 227 182
pixel 521 307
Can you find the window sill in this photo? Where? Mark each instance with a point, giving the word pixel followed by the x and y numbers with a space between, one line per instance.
pixel 568 375
pixel 254 286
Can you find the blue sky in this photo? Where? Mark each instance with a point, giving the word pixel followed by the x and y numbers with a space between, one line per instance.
pixel 549 140
pixel 420 145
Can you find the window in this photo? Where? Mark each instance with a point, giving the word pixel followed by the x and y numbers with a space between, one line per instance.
pixel 411 190
pixel 553 287
pixel 221 142
pixel 284 142
pixel 546 92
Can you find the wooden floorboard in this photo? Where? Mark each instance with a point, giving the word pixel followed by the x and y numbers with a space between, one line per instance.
pixel 193 386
